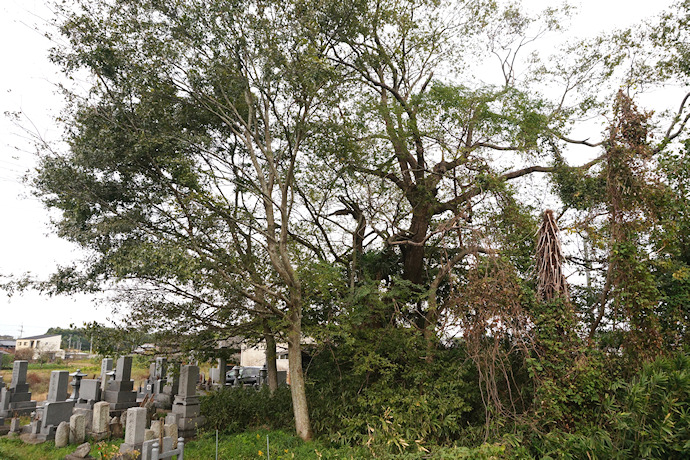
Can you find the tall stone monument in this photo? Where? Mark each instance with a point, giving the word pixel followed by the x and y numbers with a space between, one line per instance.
pixel 120 392
pixel 17 398
pixel 186 404
pixel 57 408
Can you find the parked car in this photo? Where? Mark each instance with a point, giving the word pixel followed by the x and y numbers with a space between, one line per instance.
pixel 230 375
pixel 250 376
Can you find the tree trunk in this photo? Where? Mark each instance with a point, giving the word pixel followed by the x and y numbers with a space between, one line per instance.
pixel 413 254
pixel 271 358
pixel 297 386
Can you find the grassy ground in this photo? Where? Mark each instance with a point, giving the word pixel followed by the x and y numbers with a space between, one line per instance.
pixel 249 445
pixel 253 445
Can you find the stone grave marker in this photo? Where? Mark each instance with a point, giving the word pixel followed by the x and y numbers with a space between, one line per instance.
pixel 186 403
pixel 77 429
pixel 62 434
pixel 56 408
pixel 135 429
pixel 120 392
pixel 100 419
pixel 106 367
pixel 17 398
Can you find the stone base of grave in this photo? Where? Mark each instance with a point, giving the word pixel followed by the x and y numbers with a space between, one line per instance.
pixel 120 395
pixel 47 434
pixel 20 408
pixel 187 427
pixel 163 401
pixel 126 448
pixel 99 436
pixel 29 439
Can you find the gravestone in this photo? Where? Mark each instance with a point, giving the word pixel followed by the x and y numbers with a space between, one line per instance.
pixel 77 429
pixel 120 392
pixel 100 419
pixel 115 428
pixel 135 429
pixel 164 399
pixel 88 416
pixel 17 398
pixel 15 425
pixel 56 408
pixel 222 370
pixel 186 403
pixel 89 394
pixel 106 367
pixel 62 434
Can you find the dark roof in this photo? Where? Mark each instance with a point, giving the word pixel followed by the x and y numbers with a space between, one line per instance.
pixel 39 336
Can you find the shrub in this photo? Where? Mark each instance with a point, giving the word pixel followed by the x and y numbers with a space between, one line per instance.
pixel 234 410
pixel 646 417
pixel 24 354
pixel 6 361
pixel 386 394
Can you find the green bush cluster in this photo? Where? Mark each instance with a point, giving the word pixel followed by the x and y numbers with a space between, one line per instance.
pixel 397 402
pixel 647 416
pixel 236 409
pixel 6 361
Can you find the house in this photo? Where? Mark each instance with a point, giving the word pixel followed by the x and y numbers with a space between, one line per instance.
pixel 7 346
pixel 255 355
pixel 42 344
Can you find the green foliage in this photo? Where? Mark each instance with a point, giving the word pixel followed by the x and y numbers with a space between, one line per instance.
pixel 72 336
pixel 388 395
pixel 233 410
pixel 6 361
pixel 645 417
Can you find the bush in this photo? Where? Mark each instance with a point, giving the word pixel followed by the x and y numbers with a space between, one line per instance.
pixel 237 409
pixel 7 361
pixel 387 395
pixel 24 354
pixel 647 417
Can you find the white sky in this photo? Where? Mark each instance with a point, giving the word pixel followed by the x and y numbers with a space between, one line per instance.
pixel 27 85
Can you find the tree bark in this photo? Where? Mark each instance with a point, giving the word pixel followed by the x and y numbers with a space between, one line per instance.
pixel 413 254
pixel 297 386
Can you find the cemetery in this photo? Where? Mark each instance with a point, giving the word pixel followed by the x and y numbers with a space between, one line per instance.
pixel 154 420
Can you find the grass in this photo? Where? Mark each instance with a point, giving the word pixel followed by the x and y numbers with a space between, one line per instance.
pixel 283 445
pixel 15 449
pixel 249 445
pixel 252 445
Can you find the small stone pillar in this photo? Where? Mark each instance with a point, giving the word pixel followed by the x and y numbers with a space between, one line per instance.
pixel 77 429
pixel 135 429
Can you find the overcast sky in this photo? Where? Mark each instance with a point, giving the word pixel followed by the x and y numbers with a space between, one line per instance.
pixel 27 85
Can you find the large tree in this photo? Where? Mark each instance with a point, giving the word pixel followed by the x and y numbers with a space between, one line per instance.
pixel 182 161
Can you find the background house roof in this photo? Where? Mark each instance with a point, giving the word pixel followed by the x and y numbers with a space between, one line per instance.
pixel 35 337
